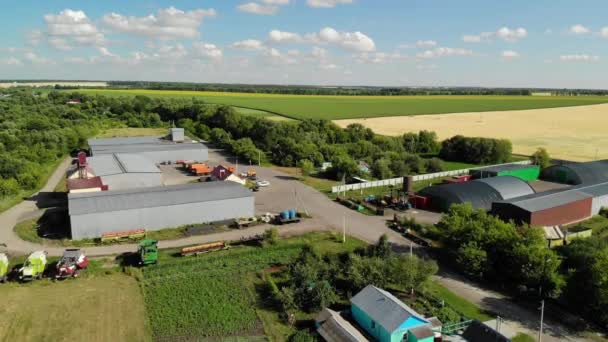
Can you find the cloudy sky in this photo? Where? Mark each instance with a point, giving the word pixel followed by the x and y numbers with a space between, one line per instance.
pixel 540 43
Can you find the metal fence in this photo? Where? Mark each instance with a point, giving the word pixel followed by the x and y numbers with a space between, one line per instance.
pixel 399 180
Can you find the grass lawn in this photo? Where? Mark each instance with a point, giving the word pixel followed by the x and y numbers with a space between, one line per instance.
pixel 28 230
pixel 465 307
pixel 348 107
pixel 91 308
pixel 521 337
pixel 8 202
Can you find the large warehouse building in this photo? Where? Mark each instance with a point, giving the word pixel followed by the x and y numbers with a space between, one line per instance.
pixel 479 193
pixel 172 147
pixel 93 214
pixel 577 173
pixel 125 171
pixel 546 209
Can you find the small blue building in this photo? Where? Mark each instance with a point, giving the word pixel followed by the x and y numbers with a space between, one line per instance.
pixel 387 319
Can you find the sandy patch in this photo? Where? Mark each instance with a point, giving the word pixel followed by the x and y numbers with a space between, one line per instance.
pixel 576 133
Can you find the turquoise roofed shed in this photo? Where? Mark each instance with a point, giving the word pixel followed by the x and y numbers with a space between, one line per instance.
pixel 387 319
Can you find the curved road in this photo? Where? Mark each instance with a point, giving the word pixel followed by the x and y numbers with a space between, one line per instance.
pixel 287 192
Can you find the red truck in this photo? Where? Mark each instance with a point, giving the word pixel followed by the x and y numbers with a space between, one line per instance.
pixel 70 264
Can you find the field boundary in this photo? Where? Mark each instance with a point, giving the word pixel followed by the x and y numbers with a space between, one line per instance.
pixel 417 178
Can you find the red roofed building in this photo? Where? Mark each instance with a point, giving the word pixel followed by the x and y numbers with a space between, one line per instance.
pixel 85 185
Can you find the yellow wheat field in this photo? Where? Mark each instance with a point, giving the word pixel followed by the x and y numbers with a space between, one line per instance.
pixel 574 133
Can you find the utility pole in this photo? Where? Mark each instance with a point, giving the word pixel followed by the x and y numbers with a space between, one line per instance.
pixel 542 314
pixel 344 229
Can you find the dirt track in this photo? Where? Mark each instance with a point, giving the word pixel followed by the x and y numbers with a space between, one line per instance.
pixel 572 133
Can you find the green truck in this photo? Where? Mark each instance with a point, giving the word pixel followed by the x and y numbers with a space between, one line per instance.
pixel 34 266
pixel 148 252
pixel 3 267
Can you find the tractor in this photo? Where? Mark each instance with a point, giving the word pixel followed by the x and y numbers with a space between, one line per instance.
pixel 71 263
pixel 34 266
pixel 148 252
pixel 3 267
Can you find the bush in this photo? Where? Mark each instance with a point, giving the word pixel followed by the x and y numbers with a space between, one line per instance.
pixel 271 236
pixel 476 150
pixel 302 336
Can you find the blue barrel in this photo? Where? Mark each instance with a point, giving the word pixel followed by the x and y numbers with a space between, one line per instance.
pixel 292 214
pixel 285 215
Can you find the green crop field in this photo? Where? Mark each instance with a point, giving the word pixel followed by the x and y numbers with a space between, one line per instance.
pixel 214 295
pixel 351 107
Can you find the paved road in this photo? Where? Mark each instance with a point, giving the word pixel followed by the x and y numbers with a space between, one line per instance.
pixel 287 192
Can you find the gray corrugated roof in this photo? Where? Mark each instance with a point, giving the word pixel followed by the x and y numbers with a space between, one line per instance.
pixel 139 144
pixel 114 164
pixel 384 308
pixel 547 200
pixel 508 186
pixel 107 201
pixel 334 328
pixel 123 141
pixel 586 173
pixel 505 167
pixel 596 190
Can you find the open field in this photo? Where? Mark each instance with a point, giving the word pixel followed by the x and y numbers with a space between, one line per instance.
pixel 260 114
pixel 575 133
pixel 216 295
pixel 104 308
pixel 348 107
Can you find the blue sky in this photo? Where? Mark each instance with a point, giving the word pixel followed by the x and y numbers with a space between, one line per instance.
pixel 540 43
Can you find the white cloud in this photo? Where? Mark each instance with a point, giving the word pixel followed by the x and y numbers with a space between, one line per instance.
pixel 276 2
pixel 604 32
pixel 206 50
pixel 579 29
pixel 34 37
pixel 168 23
pixel 427 67
pixel 319 53
pixel 444 52
pixel 12 61
pixel 379 57
pixel 35 59
pixel 105 52
pixel 171 52
pixel 255 8
pixel 471 39
pixel 355 41
pixel 329 66
pixel 249 44
pixel 60 43
pixel 277 36
pixel 277 57
pixel 504 33
pixel 69 27
pixel 327 3
pixel 579 58
pixel 426 43
pixel 510 55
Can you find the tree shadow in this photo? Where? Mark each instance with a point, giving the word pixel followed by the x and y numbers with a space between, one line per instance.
pixel 50 200
pixel 54 224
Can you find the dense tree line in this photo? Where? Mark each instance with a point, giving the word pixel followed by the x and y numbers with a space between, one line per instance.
pixel 476 150
pixel 485 247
